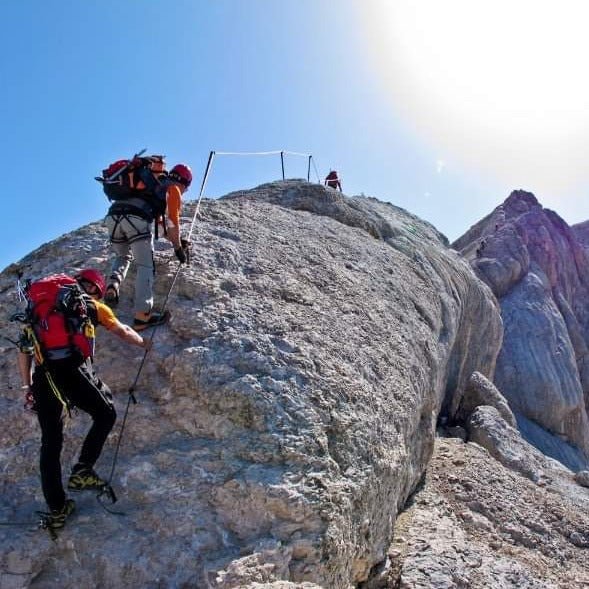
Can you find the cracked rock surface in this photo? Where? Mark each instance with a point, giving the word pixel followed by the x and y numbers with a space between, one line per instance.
pixel 476 524
pixel 285 413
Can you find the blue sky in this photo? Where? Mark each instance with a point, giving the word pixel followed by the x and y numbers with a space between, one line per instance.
pixel 410 104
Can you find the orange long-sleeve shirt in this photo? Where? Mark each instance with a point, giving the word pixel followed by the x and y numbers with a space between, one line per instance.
pixel 173 204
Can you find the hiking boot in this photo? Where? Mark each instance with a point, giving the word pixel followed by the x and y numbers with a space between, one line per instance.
pixel 111 296
pixel 83 478
pixel 151 321
pixel 55 519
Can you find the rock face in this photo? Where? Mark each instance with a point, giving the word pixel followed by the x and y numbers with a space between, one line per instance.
pixel 538 268
pixel 481 391
pixel 487 428
pixel 476 523
pixel 285 413
pixel 582 478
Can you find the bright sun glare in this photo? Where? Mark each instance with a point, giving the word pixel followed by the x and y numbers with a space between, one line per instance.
pixel 501 86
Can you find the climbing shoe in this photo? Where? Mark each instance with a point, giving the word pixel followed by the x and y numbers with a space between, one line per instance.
pixel 111 297
pixel 150 321
pixel 84 478
pixel 55 519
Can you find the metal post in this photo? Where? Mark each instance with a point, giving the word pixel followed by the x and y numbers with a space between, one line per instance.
pixel 309 169
pixel 206 175
pixel 282 162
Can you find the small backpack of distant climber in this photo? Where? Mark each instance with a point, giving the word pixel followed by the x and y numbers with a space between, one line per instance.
pixel 139 177
pixel 59 312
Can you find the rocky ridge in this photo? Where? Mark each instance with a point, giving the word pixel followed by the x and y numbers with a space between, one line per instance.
pixel 289 408
pixel 288 414
pixel 538 268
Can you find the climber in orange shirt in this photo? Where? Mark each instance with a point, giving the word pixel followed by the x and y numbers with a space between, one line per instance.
pixel 131 222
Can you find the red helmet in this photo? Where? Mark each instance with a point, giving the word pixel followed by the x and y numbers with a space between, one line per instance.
pixel 181 173
pixel 93 277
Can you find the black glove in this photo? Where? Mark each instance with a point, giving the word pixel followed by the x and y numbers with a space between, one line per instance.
pixel 186 247
pixel 180 254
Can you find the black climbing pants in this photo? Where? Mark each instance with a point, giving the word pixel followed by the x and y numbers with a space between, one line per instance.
pixel 79 387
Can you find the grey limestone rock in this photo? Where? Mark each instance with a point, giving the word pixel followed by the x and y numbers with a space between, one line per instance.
pixel 538 268
pixel 487 427
pixel 481 391
pixel 551 444
pixel 582 477
pixel 287 410
pixel 479 524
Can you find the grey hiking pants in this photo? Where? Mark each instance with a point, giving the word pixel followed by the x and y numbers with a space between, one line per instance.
pixel 131 239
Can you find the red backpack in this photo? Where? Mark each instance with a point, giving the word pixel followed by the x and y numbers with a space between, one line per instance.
pixel 140 177
pixel 60 316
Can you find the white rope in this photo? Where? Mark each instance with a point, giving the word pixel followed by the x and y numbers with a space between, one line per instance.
pixel 261 153
pixel 247 152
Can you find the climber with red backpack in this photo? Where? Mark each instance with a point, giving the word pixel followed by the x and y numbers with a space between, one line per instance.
pixel 145 198
pixel 55 356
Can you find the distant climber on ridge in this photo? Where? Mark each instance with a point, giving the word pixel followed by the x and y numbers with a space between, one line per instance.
pixel 150 198
pixel 332 180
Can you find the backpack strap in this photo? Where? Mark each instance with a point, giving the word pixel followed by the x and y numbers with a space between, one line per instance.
pixel 92 310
